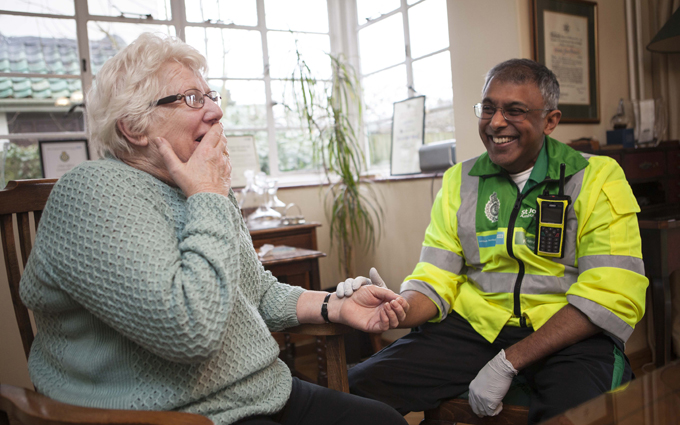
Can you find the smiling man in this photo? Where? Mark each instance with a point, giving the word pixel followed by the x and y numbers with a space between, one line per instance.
pixel 486 303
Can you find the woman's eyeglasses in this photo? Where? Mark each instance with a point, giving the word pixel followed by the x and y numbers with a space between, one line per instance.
pixel 193 98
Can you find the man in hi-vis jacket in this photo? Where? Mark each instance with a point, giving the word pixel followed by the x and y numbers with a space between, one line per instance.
pixel 486 302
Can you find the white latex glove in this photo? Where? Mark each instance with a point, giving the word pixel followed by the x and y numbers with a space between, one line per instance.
pixel 347 288
pixel 490 386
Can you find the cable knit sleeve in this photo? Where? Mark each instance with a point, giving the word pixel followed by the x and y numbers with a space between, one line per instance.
pixel 112 243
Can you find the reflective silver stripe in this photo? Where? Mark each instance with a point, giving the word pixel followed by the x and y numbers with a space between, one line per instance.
pixel 602 317
pixel 467 235
pixel 427 290
pixel 632 264
pixel 443 259
pixel 531 284
pixel 573 189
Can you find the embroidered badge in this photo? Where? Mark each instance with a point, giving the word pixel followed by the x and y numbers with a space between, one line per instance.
pixel 492 207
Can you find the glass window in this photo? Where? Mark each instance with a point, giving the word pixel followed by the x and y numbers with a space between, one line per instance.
pixel 314 49
pixel 295 150
pixel 381 90
pixel 432 77
pixel 428 27
pixel 239 12
pixel 372 9
pixel 107 38
pixel 375 50
pixel 230 53
pixel 296 15
pixel 157 9
pixel 243 102
pixel 37 46
pixel 52 7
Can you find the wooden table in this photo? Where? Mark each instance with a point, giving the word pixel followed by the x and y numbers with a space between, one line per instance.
pixel 649 400
pixel 295 266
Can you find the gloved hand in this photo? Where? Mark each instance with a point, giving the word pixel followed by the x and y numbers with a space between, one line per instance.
pixel 490 386
pixel 347 288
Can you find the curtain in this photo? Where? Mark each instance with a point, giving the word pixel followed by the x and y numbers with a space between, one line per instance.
pixel 661 71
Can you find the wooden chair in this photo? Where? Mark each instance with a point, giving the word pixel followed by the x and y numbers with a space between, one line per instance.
pixel 458 411
pixel 24 198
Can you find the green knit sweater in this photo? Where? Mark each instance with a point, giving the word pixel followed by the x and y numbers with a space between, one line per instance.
pixel 145 299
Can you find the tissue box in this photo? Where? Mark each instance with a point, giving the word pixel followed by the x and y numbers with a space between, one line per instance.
pixel 623 137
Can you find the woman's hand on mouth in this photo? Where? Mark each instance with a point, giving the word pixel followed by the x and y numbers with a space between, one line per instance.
pixel 207 170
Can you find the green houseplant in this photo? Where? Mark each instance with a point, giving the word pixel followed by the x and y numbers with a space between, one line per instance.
pixel 330 112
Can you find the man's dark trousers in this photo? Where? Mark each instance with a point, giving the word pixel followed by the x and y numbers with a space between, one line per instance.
pixel 437 361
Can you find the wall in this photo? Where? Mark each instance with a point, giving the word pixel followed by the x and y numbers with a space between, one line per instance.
pixel 484 33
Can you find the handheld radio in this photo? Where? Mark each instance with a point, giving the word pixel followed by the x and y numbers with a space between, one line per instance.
pixel 552 218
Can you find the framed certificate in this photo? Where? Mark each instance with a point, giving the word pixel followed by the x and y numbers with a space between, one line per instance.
pixel 565 40
pixel 408 132
pixel 243 157
pixel 59 156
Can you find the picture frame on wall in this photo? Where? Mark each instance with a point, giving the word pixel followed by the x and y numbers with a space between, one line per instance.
pixel 57 157
pixel 565 40
pixel 408 135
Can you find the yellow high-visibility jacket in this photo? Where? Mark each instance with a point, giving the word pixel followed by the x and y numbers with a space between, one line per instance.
pixel 478 255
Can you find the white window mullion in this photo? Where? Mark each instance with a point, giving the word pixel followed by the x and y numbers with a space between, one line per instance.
pixel 271 128
pixel 179 18
pixel 83 39
pixel 407 46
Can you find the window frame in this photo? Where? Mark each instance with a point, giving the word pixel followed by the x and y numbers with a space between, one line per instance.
pixel 343 30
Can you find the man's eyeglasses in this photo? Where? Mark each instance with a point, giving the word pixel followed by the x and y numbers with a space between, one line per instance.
pixel 513 114
pixel 193 98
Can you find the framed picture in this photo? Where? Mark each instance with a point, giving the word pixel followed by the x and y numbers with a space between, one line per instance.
pixel 565 40
pixel 59 156
pixel 243 157
pixel 408 132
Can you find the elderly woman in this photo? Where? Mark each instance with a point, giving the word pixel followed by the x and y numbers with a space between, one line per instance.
pixel 145 286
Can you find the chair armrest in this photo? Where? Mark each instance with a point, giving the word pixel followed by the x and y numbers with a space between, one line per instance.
pixel 324 329
pixel 27 407
pixel 336 363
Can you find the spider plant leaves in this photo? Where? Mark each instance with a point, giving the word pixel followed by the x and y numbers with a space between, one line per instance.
pixel 353 206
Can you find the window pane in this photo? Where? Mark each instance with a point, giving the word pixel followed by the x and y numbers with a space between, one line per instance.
pixel 297 15
pixel 20 160
pixel 243 103
pixel 312 47
pixel 52 7
pixel 158 9
pixel 439 125
pixel 381 90
pixel 230 53
pixel 107 38
pixel 295 150
pixel 432 77
pixel 239 12
pixel 372 9
pixel 286 113
pixel 376 53
pixel 428 27
pixel 38 45
pixel 380 142
pixel 40 93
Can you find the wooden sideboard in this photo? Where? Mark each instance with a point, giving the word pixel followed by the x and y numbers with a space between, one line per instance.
pixel 654 176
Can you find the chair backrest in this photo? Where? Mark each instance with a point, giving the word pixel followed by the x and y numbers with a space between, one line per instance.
pixel 21 198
